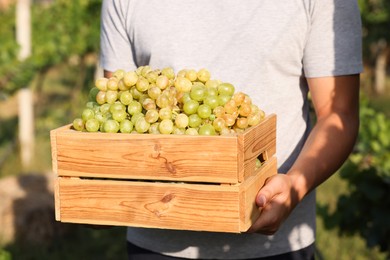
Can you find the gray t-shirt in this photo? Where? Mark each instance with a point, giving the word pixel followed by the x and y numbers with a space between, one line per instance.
pixel 266 49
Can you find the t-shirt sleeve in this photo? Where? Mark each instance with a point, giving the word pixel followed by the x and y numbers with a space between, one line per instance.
pixel 115 46
pixel 334 43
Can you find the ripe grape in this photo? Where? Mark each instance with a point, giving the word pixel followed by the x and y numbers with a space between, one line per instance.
pixel 130 78
pixel 203 75
pixel 156 101
pixel 111 126
pixel 87 114
pixel 92 125
pixel 204 111
pixel 226 89
pixel 141 125
pixel 125 97
pixel 166 126
pixel 126 126
pixel 78 124
pixel 207 129
pixel 190 107
pixel 181 121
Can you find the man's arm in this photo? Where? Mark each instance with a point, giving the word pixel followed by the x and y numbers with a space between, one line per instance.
pixel 336 104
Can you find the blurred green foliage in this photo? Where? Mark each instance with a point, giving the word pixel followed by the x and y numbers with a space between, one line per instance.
pixel 365 209
pixel 60 30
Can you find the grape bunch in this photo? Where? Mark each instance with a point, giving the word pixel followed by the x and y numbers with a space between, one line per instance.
pixel 160 101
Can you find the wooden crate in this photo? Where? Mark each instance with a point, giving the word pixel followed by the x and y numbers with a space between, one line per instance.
pixel 204 183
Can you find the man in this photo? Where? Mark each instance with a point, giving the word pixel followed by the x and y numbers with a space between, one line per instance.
pixel 276 52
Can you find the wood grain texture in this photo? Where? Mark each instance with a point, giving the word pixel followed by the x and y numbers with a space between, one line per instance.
pixel 217 159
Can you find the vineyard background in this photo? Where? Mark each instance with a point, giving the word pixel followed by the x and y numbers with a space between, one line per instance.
pixel 353 206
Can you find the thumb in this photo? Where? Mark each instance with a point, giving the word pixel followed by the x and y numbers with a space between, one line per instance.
pixel 264 195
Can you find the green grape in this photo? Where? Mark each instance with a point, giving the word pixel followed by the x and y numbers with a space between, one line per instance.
pixel 204 75
pixel 191 131
pixel 119 74
pixel 197 93
pixel 162 82
pixel 204 111
pixel 100 117
pixel 194 121
pixel 169 72
pixel 119 115
pixel 165 113
pixel 151 76
pixel 211 101
pixel 126 126
pixel 181 73
pixel 222 99
pixel 130 78
pixel 218 124
pixel 183 97
pixel 148 104
pixel 91 105
pixel 212 83
pixel 87 114
pixel 191 75
pixel 141 126
pixel 142 84
pixel 178 131
pixel 78 124
pixel 105 108
pixel 162 101
pixel 135 93
pixel 111 126
pixel 153 129
pixel 112 84
pixel 145 70
pixel 92 125
pixel 134 107
pixel 190 107
pixel 93 93
pixel 211 92
pixel 136 116
pixel 181 121
pixel 154 92
pixel 122 86
pixel 111 96
pixel 101 97
pixel 183 84
pixel 226 89
pixel 125 97
pixel 101 84
pixel 152 116
pixel 207 129
pixel 165 126
pixel 117 106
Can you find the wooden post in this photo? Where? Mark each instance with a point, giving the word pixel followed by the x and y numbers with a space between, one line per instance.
pixel 25 96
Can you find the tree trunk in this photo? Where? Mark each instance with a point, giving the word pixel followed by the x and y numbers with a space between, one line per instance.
pixel 381 68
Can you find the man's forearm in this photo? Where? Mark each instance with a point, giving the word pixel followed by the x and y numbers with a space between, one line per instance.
pixel 327 147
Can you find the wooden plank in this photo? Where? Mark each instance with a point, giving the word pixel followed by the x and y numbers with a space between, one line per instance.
pixel 248 192
pixel 157 157
pixel 150 204
pixel 217 159
pixel 257 141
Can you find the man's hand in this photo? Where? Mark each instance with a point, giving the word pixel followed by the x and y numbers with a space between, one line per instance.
pixel 336 103
pixel 275 201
